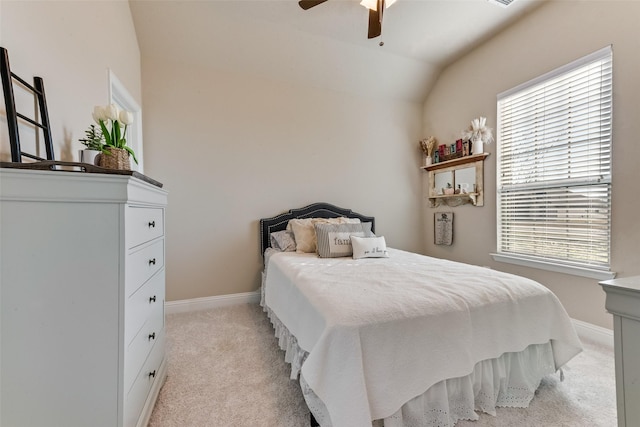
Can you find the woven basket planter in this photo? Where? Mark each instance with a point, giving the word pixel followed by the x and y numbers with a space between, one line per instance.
pixel 118 158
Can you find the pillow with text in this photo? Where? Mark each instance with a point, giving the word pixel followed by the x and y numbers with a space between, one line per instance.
pixel 334 240
pixel 369 247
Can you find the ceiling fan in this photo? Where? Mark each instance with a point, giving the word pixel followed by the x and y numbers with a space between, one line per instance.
pixel 376 9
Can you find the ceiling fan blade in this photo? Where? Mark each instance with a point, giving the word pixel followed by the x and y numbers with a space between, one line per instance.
pixel 308 4
pixel 375 23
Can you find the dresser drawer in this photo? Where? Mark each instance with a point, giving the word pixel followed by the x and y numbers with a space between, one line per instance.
pixel 142 264
pixel 135 399
pixel 143 224
pixel 142 304
pixel 140 347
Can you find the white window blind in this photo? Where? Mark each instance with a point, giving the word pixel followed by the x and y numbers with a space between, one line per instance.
pixel 554 166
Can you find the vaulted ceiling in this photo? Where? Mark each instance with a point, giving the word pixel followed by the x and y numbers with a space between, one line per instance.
pixel 325 46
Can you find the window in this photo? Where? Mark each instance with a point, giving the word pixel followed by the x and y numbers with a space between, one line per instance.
pixel 554 169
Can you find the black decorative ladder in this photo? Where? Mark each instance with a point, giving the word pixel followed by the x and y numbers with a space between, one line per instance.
pixel 12 115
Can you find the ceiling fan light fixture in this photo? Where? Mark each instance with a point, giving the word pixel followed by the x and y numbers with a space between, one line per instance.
pixel 373 4
pixel 370 4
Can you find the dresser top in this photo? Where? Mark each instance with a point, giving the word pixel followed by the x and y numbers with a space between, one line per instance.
pixel 24 185
pixel 74 167
pixel 631 284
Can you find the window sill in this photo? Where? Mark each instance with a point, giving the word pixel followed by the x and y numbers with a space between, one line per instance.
pixel 591 273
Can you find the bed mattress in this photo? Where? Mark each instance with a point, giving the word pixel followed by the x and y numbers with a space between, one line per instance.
pixel 377 333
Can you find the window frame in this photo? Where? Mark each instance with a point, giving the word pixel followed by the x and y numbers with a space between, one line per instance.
pixel 542 262
pixel 119 95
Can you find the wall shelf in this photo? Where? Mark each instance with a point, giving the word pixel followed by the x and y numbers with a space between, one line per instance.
pixel 455 162
pixel 464 173
pixel 454 199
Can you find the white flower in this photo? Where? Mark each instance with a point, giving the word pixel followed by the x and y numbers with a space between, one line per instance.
pixel 125 117
pixel 111 112
pixel 113 126
pixel 98 114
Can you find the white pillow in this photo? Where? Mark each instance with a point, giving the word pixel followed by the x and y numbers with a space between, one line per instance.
pixel 345 220
pixel 305 233
pixel 369 247
pixel 333 240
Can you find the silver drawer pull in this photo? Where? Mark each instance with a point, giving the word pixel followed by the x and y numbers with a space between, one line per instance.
pixel 152 261
pixel 152 336
pixel 152 299
pixel 152 374
pixel 152 224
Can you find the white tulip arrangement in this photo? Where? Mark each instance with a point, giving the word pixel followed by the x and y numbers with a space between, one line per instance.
pixel 478 130
pixel 119 121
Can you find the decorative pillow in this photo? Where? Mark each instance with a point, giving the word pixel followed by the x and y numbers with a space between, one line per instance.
pixel 334 240
pixel 345 220
pixel 305 233
pixel 283 241
pixel 369 247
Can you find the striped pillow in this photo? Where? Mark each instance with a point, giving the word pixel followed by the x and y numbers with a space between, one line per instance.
pixel 305 233
pixel 334 240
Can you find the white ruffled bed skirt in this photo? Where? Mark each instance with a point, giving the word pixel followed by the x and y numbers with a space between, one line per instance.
pixel 507 381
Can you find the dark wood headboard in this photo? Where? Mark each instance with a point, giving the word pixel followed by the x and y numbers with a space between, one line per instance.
pixel 315 210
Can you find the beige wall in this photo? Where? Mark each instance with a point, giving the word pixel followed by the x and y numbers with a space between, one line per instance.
pixel 552 36
pixel 233 148
pixel 71 45
pixel 229 148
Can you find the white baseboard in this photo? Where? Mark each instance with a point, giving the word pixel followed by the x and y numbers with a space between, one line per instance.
pixel 206 303
pixel 600 335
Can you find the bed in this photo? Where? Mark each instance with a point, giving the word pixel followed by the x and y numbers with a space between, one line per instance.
pixel 401 339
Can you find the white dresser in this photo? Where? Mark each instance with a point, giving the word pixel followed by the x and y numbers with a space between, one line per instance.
pixel 82 285
pixel 623 301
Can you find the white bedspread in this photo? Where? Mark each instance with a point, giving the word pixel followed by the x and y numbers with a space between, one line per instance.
pixel 382 331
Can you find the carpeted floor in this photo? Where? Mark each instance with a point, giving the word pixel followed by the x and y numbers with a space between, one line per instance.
pixel 226 370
